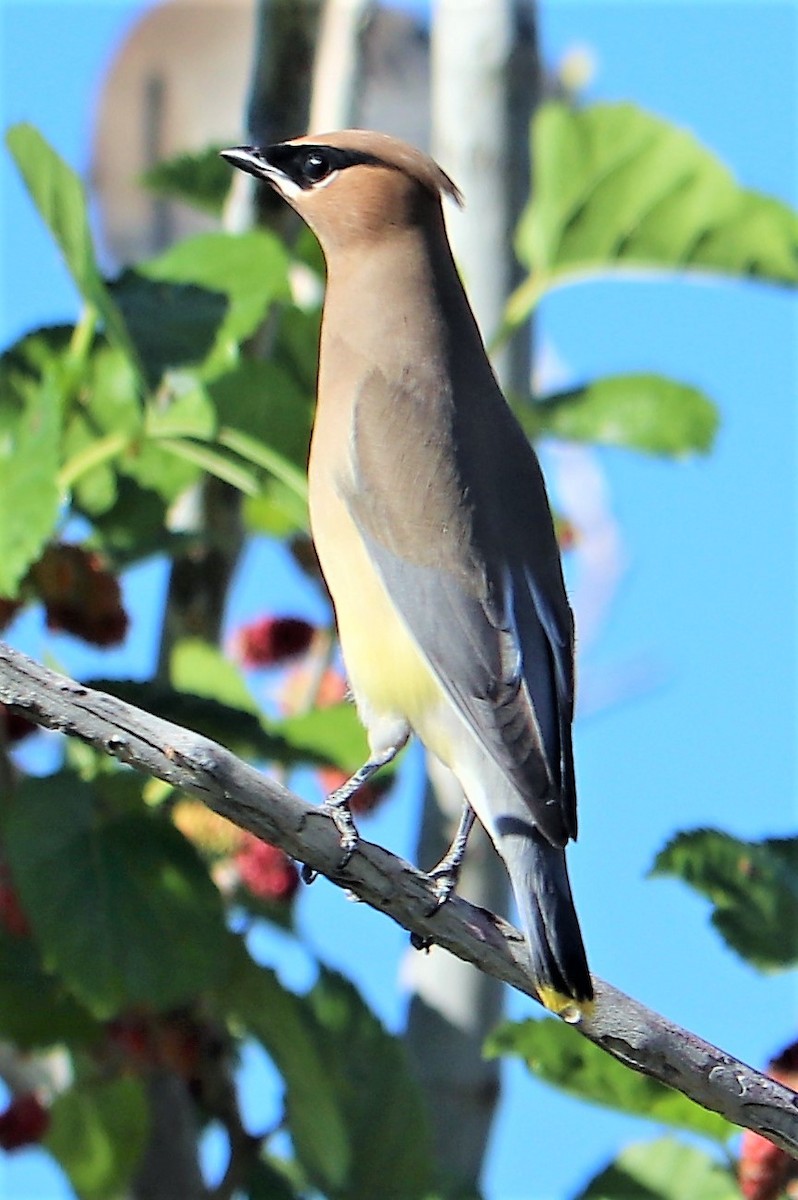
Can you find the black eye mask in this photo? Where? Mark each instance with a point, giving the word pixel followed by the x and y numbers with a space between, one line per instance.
pixel 309 164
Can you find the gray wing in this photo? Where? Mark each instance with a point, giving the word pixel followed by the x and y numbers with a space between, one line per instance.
pixel 462 538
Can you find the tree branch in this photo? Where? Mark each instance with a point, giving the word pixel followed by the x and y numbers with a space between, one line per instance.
pixel 624 1028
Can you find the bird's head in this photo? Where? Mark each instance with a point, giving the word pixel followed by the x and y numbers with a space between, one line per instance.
pixel 350 187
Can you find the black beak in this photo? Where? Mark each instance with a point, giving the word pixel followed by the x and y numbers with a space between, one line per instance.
pixel 247 158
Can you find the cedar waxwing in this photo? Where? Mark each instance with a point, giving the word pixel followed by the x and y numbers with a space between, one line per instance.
pixel 430 518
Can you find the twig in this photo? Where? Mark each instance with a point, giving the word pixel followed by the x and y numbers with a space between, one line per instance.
pixel 624 1028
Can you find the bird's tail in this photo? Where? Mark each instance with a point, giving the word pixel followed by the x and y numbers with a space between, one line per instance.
pixel 543 894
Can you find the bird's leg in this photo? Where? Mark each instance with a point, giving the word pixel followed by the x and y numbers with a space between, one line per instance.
pixel 445 875
pixel 337 805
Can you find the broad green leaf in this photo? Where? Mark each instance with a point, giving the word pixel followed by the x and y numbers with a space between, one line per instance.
pixel 36 1011
pixel 752 885
pixel 663 1170
pixel 171 324
pixel 250 269
pixel 640 412
pixel 619 188
pixel 276 511
pixel 261 455
pixel 283 1023
pixel 296 347
pixel 201 669
pixel 30 435
pixel 37 350
pixel 264 401
pixel 221 466
pixel 201 179
pixel 122 908
pixel 98 1132
pixel 267 1182
pixel 168 466
pixel 60 199
pixel 188 413
pixel 354 1111
pixel 335 733
pixel 166 459
pixel 133 526
pixel 556 1054
pixel 386 1124
pixel 101 428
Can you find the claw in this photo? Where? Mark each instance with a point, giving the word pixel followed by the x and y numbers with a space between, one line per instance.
pixel 338 809
pixel 444 877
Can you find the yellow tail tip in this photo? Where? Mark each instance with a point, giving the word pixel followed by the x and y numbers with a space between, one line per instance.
pixel 569 1010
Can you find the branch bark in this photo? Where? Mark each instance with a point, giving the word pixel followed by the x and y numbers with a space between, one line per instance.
pixel 635 1035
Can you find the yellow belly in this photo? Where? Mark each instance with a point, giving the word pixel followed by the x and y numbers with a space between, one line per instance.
pixel 388 675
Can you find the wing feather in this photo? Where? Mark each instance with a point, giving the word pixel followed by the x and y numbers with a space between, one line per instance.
pixel 459 530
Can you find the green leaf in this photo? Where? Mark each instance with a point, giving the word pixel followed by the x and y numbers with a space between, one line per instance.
pixel 333 734
pixel 201 179
pixel 283 1023
pixel 98 1133
pixel 172 324
pixel 296 346
pixel 30 434
pixel 36 1011
pixel 201 669
pixel 617 187
pixel 264 401
pixel 662 1170
pixel 188 412
pixel 133 526
pixel 386 1123
pixel 60 199
pixel 250 269
pixel 354 1111
pixel 556 1054
pixel 221 466
pixel 276 511
pixel 639 412
pixel 102 423
pixel 123 908
pixel 752 885
pixel 267 1182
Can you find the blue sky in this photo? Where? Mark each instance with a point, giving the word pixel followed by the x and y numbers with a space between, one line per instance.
pixel 703 621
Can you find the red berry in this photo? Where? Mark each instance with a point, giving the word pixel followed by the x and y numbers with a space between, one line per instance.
pixel 271 640
pixel 80 595
pixel 266 871
pixel 765 1170
pixel 24 1122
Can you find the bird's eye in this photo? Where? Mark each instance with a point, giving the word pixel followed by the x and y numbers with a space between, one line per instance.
pixel 316 167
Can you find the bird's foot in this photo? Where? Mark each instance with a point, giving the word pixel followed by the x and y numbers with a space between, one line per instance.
pixel 444 877
pixel 444 881
pixel 337 807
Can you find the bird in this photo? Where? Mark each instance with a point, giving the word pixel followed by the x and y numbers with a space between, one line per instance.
pixel 432 526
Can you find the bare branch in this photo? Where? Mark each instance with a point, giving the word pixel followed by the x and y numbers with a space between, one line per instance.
pixel 624 1028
